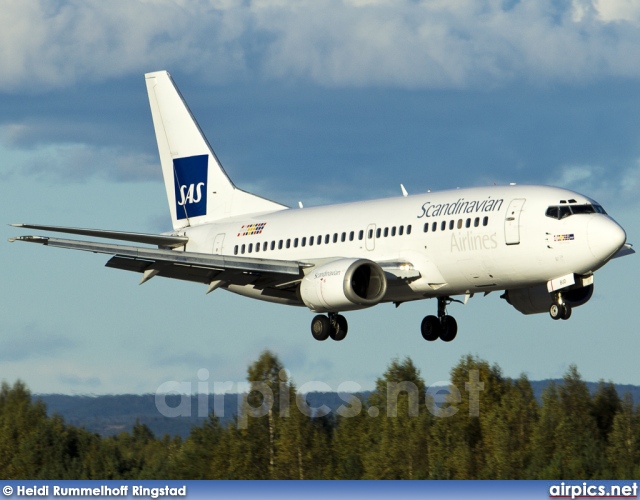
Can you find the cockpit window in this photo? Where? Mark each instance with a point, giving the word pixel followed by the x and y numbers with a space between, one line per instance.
pixel 563 211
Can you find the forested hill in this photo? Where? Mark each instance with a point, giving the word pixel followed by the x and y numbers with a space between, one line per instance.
pixel 492 427
pixel 110 415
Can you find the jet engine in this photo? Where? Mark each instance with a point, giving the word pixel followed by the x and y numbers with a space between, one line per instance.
pixel 343 285
pixel 537 299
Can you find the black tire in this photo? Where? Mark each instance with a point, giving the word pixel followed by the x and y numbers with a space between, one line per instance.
pixel 430 328
pixel 557 311
pixel 340 331
pixel 320 327
pixel 449 327
pixel 567 313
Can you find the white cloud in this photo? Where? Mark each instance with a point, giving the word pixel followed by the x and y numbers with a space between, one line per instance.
pixel 618 10
pixel 612 187
pixel 334 42
pixel 73 162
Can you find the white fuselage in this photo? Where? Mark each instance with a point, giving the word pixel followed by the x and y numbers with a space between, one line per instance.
pixel 477 239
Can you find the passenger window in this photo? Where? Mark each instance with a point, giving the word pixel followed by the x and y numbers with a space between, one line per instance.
pixel 443 225
pixel 361 234
pixel 434 226
pixel 370 233
pixel 235 250
pixel 485 221
pixel 242 249
pixel 304 241
pixel 257 247
pixel 459 223
pixel 426 227
pixel 280 245
pixel 401 230
pixel 295 243
pixel 386 232
pixel 378 232
pixel 343 237
pixel 273 245
pixel 451 223
pixel 288 243
pixel 264 246
pixel 468 223
pixel 319 239
pixel 351 236
pixel 326 239
pixel 476 222
pixel 335 237
pixel 393 231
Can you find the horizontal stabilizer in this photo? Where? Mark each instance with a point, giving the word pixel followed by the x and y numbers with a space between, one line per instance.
pixel 625 250
pixel 149 239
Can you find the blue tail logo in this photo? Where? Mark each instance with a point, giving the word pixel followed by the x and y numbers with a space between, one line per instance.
pixel 190 181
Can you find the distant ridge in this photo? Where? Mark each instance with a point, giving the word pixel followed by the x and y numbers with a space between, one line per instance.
pixel 113 414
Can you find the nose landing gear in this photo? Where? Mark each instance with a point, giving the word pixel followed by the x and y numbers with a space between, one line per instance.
pixel 443 327
pixel 559 310
pixel 333 325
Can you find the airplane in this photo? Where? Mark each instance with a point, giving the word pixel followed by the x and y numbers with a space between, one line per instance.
pixel 539 245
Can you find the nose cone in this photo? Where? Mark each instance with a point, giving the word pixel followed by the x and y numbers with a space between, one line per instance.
pixel 605 237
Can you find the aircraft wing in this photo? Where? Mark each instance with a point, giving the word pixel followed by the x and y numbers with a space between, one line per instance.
pixel 275 277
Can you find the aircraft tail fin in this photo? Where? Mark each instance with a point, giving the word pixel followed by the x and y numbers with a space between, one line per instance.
pixel 198 188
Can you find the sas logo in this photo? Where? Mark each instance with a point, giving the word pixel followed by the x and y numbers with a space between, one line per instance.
pixel 190 181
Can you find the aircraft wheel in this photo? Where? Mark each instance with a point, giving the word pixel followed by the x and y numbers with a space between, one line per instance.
pixel 430 328
pixel 449 328
pixel 557 311
pixel 339 331
pixel 320 327
pixel 567 312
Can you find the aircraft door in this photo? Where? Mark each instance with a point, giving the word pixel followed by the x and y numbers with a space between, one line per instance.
pixel 217 244
pixel 512 222
pixel 370 237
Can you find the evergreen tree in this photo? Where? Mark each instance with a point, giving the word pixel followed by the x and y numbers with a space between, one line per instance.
pixel 606 403
pixel 459 449
pixel 197 455
pixel 351 440
pixel 567 441
pixel 398 440
pixel 507 430
pixel 623 451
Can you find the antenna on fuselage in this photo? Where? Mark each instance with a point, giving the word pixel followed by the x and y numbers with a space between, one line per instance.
pixel 404 191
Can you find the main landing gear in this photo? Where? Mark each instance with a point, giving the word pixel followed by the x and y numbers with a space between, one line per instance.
pixel 559 310
pixel 333 325
pixel 443 327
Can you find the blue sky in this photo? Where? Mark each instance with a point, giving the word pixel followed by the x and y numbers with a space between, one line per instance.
pixel 320 102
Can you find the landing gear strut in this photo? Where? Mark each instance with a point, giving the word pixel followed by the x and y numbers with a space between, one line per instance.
pixel 559 310
pixel 333 325
pixel 443 326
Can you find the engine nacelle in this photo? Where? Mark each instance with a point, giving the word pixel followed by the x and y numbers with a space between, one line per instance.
pixel 537 299
pixel 343 285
